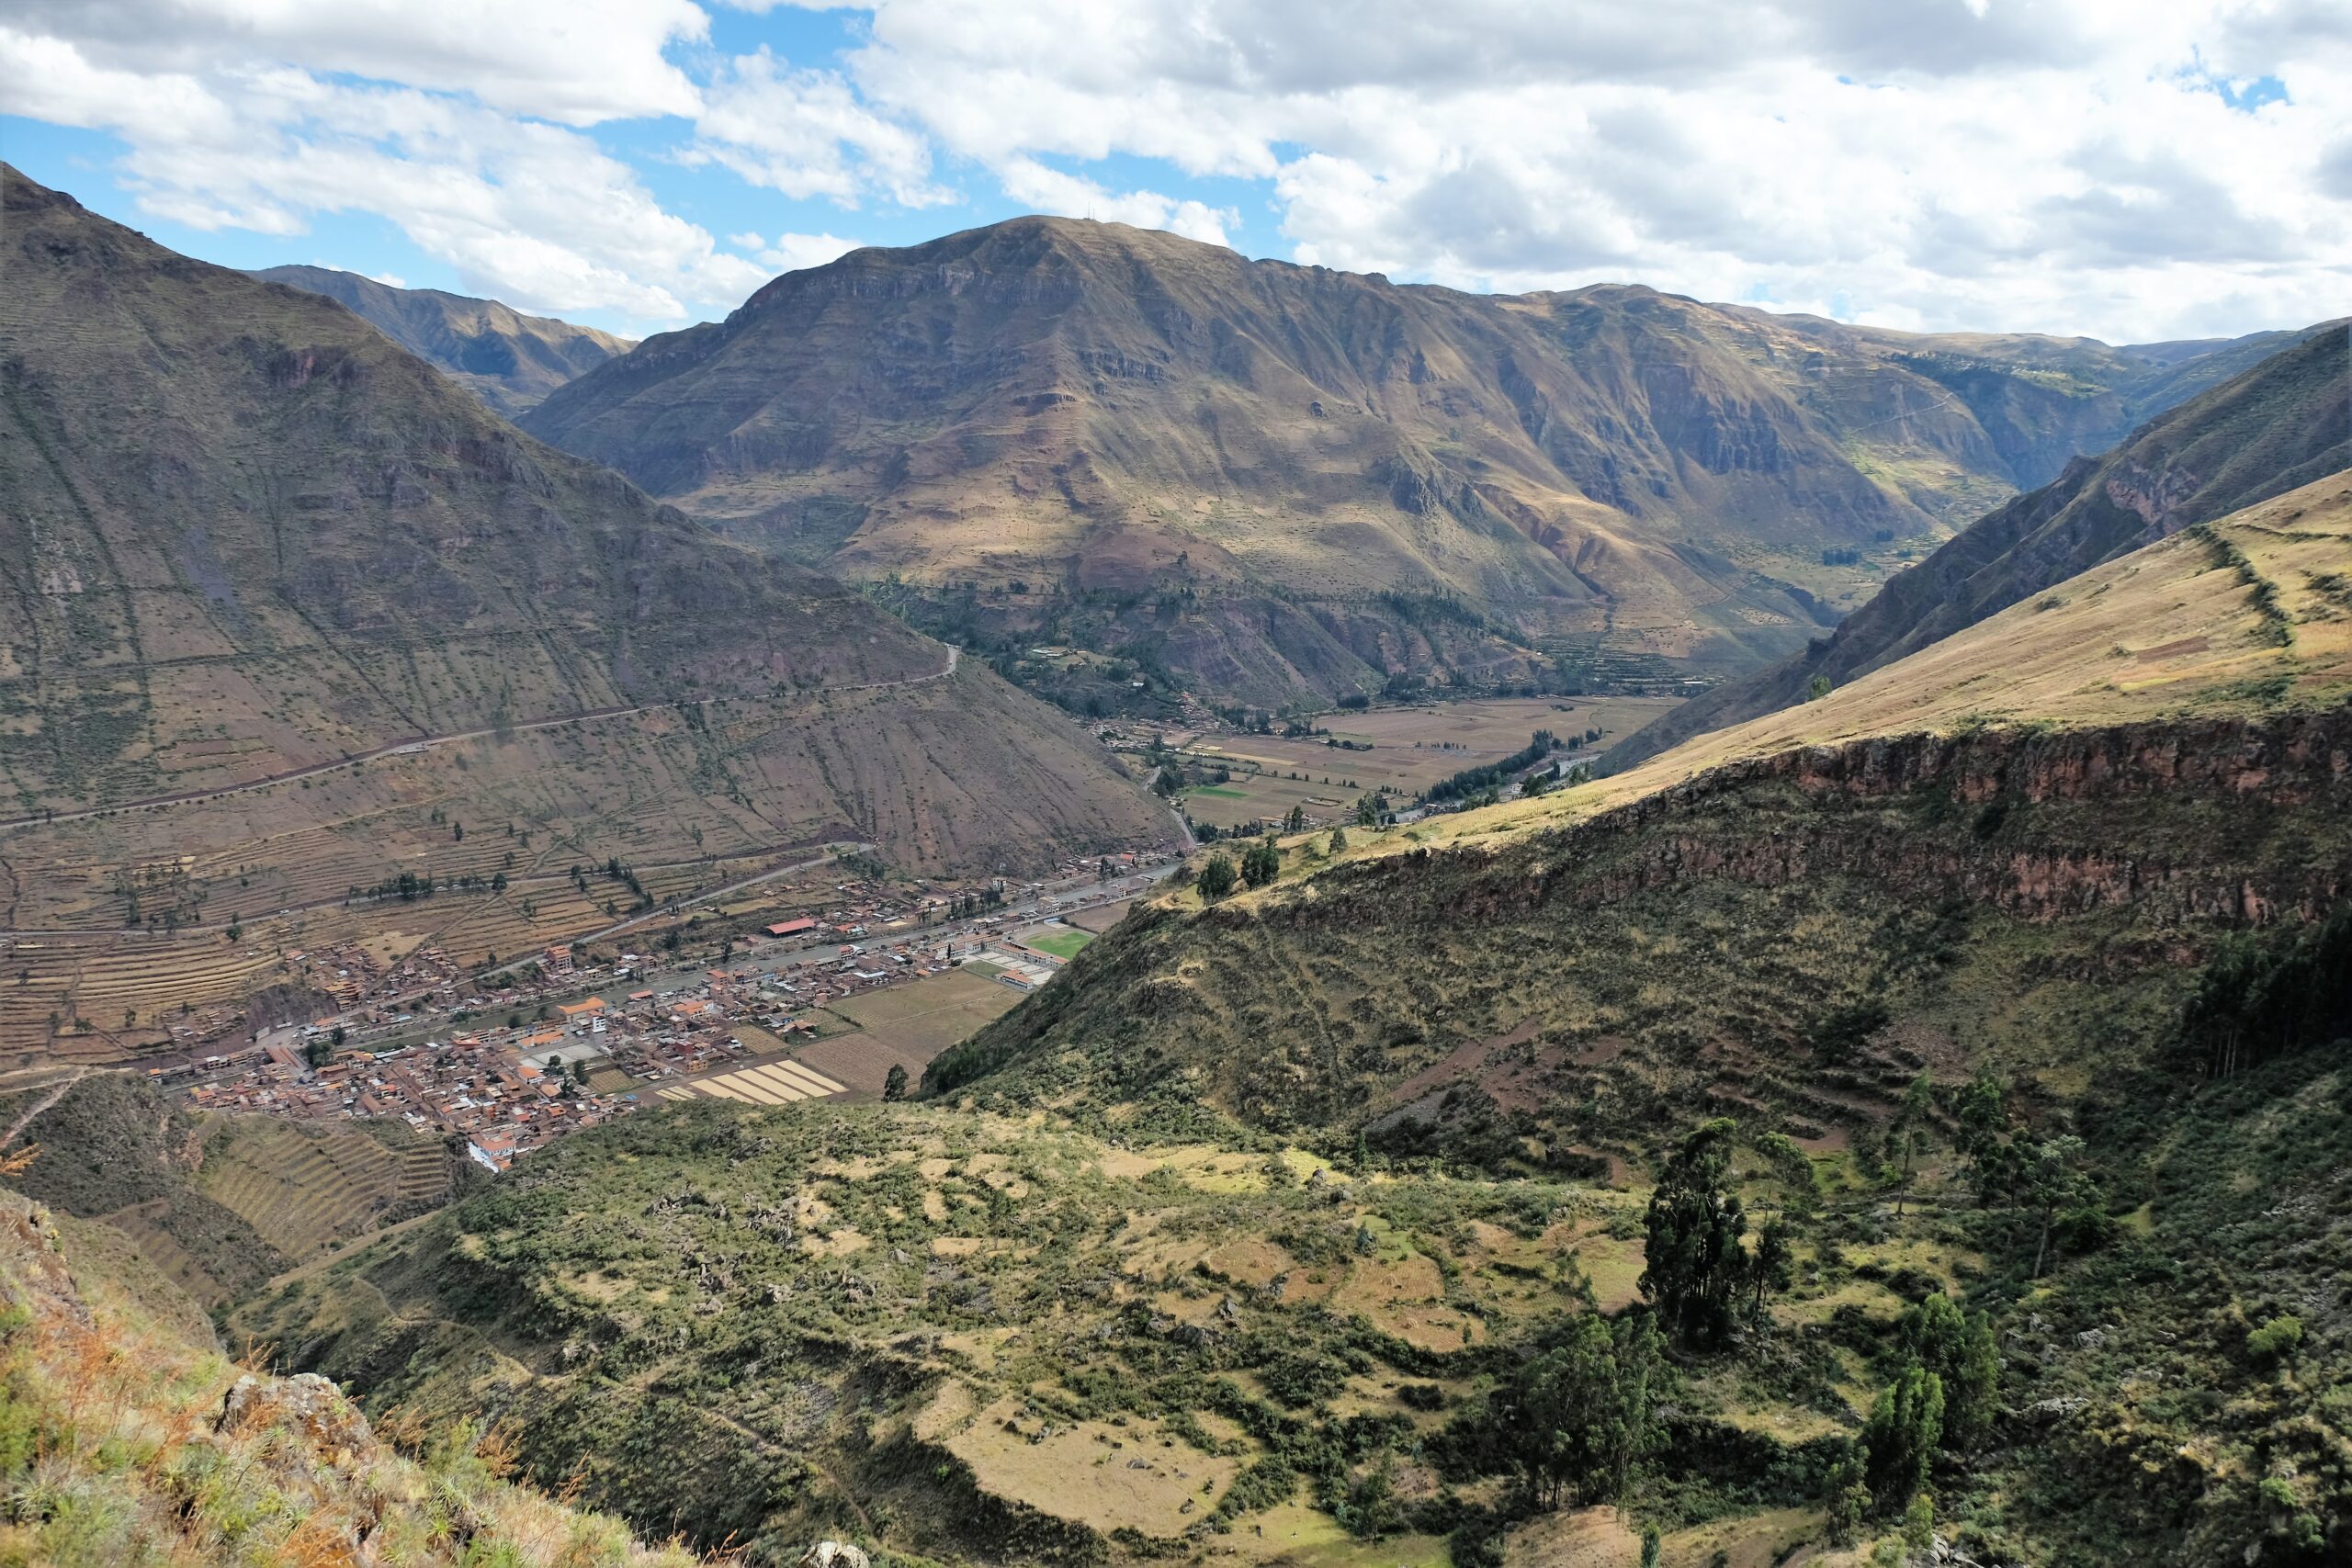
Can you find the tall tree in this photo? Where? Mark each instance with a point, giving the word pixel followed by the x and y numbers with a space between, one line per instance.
pixel 1217 878
pixel 894 1082
pixel 1958 1347
pixel 1905 1425
pixel 1695 1257
pixel 1582 1412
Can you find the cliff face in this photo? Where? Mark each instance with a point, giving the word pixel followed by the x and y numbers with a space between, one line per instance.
pixel 1909 870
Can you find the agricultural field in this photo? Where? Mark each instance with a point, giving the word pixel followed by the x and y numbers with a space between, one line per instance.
pixel 905 1026
pixel 304 1186
pixel 1412 748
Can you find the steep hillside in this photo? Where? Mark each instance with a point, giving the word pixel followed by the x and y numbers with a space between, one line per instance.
pixel 287 612
pixel 1273 480
pixel 1261 1233
pixel 2163 735
pixel 126 1437
pixel 507 359
pixel 216 1205
pixel 2283 422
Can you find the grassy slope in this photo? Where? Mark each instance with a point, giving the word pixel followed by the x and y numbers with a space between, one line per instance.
pixel 2279 425
pixel 114 1452
pixel 934 1314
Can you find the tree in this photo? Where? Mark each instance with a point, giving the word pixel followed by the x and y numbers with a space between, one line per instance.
pixel 1339 841
pixel 1367 813
pixel 1694 1257
pixel 1911 1130
pixel 1583 1410
pixel 1817 688
pixel 894 1082
pixel 1217 878
pixel 1958 1347
pixel 1905 1425
pixel 1296 821
pixel 2052 1183
pixel 1261 863
pixel 1849 1500
pixel 1774 1267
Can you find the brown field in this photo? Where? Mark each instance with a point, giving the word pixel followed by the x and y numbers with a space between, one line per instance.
pixel 1413 747
pixel 1102 917
pixel 906 1025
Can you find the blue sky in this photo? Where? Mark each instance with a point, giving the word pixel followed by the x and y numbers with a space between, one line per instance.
pixel 2070 166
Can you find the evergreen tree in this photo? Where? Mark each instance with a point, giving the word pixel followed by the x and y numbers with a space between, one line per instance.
pixel 1582 1412
pixel 1958 1347
pixel 1339 841
pixel 894 1082
pixel 1261 863
pixel 1217 878
pixel 1904 1426
pixel 1696 1262
pixel 1773 1268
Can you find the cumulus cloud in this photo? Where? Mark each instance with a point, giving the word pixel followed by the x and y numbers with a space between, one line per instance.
pixel 2094 166
pixel 794 253
pixel 1050 190
pixel 2108 166
pixel 805 133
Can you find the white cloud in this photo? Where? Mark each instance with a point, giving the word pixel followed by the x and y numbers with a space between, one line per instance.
pixel 1067 195
pixel 1978 163
pixel 805 133
pixel 577 61
pixel 2130 168
pixel 533 213
pixel 794 253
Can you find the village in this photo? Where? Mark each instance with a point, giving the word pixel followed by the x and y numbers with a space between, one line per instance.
pixel 838 1002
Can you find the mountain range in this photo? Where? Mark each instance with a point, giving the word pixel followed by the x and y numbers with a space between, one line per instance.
pixel 506 358
pixel 2279 425
pixel 287 609
pixel 1285 483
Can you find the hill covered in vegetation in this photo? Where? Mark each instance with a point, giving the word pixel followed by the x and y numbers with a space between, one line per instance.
pixel 128 1436
pixel 1931 1124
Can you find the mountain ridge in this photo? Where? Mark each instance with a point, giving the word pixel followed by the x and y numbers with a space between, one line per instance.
pixel 2281 423
pixel 507 357
pixel 1236 467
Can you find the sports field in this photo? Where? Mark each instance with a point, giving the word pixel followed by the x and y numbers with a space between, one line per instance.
pixel 1061 941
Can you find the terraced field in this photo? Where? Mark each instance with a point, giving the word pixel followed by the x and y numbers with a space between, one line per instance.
pixel 304 1186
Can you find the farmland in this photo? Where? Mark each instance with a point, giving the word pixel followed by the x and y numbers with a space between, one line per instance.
pixel 1409 750
pixel 907 1026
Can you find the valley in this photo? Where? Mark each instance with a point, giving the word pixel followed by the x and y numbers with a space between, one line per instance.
pixel 1108 905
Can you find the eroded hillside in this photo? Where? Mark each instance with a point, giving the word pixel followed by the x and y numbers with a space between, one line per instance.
pixel 289 617
pixel 1284 483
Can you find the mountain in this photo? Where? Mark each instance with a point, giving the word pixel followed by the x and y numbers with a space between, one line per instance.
pixel 507 359
pixel 2008 984
pixel 2276 426
pixel 1283 483
pixel 288 613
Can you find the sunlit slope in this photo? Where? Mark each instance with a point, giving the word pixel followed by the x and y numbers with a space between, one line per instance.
pixel 2247 615
pixel 2283 422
